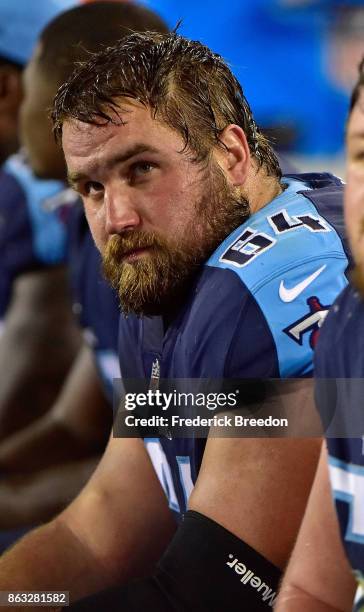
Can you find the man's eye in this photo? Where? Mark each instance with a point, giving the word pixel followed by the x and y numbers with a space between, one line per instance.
pixel 92 188
pixel 140 169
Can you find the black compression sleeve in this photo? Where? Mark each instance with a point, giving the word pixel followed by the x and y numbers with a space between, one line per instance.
pixel 205 569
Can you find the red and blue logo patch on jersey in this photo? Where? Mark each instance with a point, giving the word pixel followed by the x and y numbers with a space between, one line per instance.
pixel 309 323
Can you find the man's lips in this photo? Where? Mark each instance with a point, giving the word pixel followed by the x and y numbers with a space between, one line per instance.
pixel 135 254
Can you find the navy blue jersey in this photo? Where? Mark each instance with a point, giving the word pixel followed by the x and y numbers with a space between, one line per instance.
pixel 253 312
pixel 94 301
pixel 32 236
pixel 339 369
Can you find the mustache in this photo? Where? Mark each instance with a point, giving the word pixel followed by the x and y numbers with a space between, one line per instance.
pixel 120 245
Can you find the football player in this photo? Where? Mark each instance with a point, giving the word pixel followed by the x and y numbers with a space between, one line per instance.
pixel 225 270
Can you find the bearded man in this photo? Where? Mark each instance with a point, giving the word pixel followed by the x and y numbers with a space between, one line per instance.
pixel 225 270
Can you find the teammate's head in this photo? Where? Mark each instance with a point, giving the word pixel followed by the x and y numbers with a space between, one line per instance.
pixel 354 192
pixel 10 99
pixel 162 146
pixel 20 26
pixel 358 87
pixel 66 40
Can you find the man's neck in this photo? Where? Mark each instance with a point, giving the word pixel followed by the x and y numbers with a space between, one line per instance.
pixel 261 188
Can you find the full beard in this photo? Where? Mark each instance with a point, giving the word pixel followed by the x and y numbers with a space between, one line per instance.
pixel 155 283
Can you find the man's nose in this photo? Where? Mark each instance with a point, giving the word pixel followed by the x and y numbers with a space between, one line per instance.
pixel 120 213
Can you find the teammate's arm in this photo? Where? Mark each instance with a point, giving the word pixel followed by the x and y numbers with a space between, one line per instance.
pixel 76 426
pixel 318 578
pixel 116 529
pixel 37 347
pixel 31 499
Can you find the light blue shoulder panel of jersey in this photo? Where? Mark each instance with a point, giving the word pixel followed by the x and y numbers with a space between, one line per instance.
pixel 49 233
pixel 293 263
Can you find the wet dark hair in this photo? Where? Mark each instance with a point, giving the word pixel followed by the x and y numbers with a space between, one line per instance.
pixel 72 35
pixel 186 85
pixel 359 84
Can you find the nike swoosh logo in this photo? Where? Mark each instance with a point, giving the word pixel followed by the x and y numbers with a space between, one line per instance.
pixel 288 295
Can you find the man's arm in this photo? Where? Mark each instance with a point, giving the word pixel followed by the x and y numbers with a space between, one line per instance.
pixel 243 518
pixel 318 578
pixel 77 425
pixel 253 486
pixel 37 347
pixel 257 489
pixel 116 529
pixel 31 499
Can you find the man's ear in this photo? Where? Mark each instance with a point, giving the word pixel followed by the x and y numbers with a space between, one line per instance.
pixel 10 89
pixel 234 157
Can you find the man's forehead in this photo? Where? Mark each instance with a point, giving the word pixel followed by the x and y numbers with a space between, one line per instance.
pixel 126 112
pixel 74 128
pixel 129 121
pixel 120 112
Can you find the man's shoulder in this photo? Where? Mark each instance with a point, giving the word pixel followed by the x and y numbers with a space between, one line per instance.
pixel 291 260
pixel 338 350
pixel 17 167
pixel 30 206
pixel 339 367
pixel 11 188
pixel 346 311
pixel 303 223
